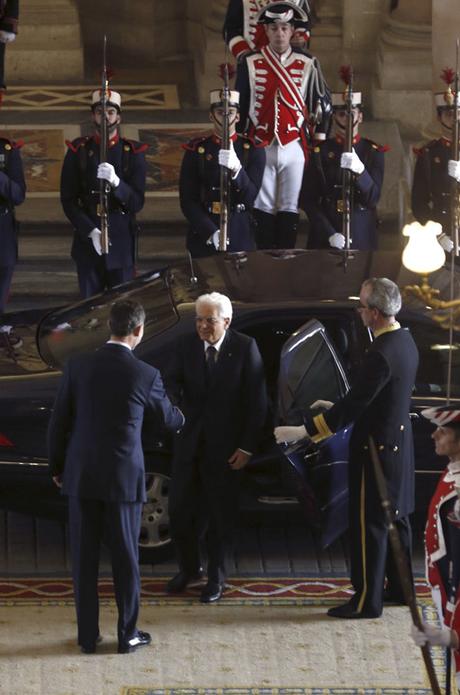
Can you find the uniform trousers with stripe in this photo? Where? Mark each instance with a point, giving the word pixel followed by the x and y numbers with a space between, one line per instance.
pixel 371 556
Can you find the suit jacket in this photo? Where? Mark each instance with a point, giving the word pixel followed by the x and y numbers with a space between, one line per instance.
pixel 94 435
pixel 223 415
pixel 378 403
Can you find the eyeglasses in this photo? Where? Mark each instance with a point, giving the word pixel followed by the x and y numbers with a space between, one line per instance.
pixel 211 321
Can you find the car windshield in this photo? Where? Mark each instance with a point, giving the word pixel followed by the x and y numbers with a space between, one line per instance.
pixel 84 326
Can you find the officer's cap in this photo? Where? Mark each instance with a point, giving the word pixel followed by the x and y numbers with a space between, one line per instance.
pixel 112 98
pixel 216 97
pixel 443 415
pixel 282 12
pixel 340 99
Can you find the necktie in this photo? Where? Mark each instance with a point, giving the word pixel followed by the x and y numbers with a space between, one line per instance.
pixel 211 355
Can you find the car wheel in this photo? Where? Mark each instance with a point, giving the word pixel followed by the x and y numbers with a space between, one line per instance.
pixel 155 536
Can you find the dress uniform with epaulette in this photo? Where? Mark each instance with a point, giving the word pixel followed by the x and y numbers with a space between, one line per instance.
pixel 199 187
pixel 322 188
pixel 435 168
pixel 285 103
pixel 242 31
pixel 12 193
pixel 377 405
pixel 125 171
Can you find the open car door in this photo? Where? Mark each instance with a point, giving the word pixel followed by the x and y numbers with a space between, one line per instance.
pixel 310 370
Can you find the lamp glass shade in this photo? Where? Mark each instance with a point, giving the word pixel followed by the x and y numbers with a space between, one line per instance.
pixel 423 253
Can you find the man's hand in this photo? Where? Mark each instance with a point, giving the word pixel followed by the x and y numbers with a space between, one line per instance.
pixel 453 169
pixel 214 240
pixel 431 635
pixel 446 242
pixel 95 236
pixel 229 159
pixel 107 172
pixel 350 160
pixel 57 480
pixel 238 460
pixel 288 434
pixel 7 36
pixel 321 404
pixel 337 240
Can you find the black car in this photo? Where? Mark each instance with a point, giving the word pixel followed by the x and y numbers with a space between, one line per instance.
pixel 300 306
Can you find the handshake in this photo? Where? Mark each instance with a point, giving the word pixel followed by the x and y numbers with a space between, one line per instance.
pixel 288 434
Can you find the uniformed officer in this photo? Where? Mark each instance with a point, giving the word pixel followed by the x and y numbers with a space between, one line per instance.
pixel 199 185
pixel 244 35
pixel 434 168
pixel 279 87
pixel 125 172
pixel 378 405
pixel 9 15
pixel 322 189
pixel 12 193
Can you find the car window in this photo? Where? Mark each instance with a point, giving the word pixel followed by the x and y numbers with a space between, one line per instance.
pixel 433 342
pixel 310 370
pixel 84 327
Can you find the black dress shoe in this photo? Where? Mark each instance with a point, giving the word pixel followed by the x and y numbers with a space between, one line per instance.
pixel 140 640
pixel 346 610
pixel 90 648
pixel 182 580
pixel 212 592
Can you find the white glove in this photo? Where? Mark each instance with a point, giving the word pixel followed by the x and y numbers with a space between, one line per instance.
pixel 321 404
pixel 446 242
pixel 214 240
pixel 95 237
pixel 431 635
pixel 337 240
pixel 7 36
pixel 229 159
pixel 107 172
pixel 289 434
pixel 350 160
pixel 453 169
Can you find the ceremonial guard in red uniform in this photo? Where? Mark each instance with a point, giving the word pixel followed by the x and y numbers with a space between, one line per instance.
pixel 322 189
pixel 243 33
pixel 284 102
pixel 9 14
pixel 124 171
pixel 199 184
pixel 434 166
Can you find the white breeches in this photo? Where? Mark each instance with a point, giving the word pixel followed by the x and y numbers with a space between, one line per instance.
pixel 282 178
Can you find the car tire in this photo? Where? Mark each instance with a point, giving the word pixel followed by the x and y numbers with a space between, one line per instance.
pixel 155 543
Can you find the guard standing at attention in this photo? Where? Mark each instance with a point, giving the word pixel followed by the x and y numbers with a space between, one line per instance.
pixel 125 172
pixel 434 166
pixel 322 189
pixel 199 185
pixel 285 103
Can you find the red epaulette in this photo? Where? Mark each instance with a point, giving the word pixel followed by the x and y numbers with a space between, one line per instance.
pixel 192 145
pixel 379 148
pixel 424 148
pixel 75 145
pixel 12 144
pixel 248 140
pixel 136 147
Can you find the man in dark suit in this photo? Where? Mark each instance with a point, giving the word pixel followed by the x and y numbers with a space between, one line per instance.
pixel 378 404
pixel 217 378
pixel 96 458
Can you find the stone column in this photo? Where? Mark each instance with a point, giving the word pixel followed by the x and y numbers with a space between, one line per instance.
pixel 207 45
pixel 404 65
pixel 48 48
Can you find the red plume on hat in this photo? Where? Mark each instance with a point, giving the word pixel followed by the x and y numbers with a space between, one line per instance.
pixel 448 76
pixel 345 73
pixel 230 68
